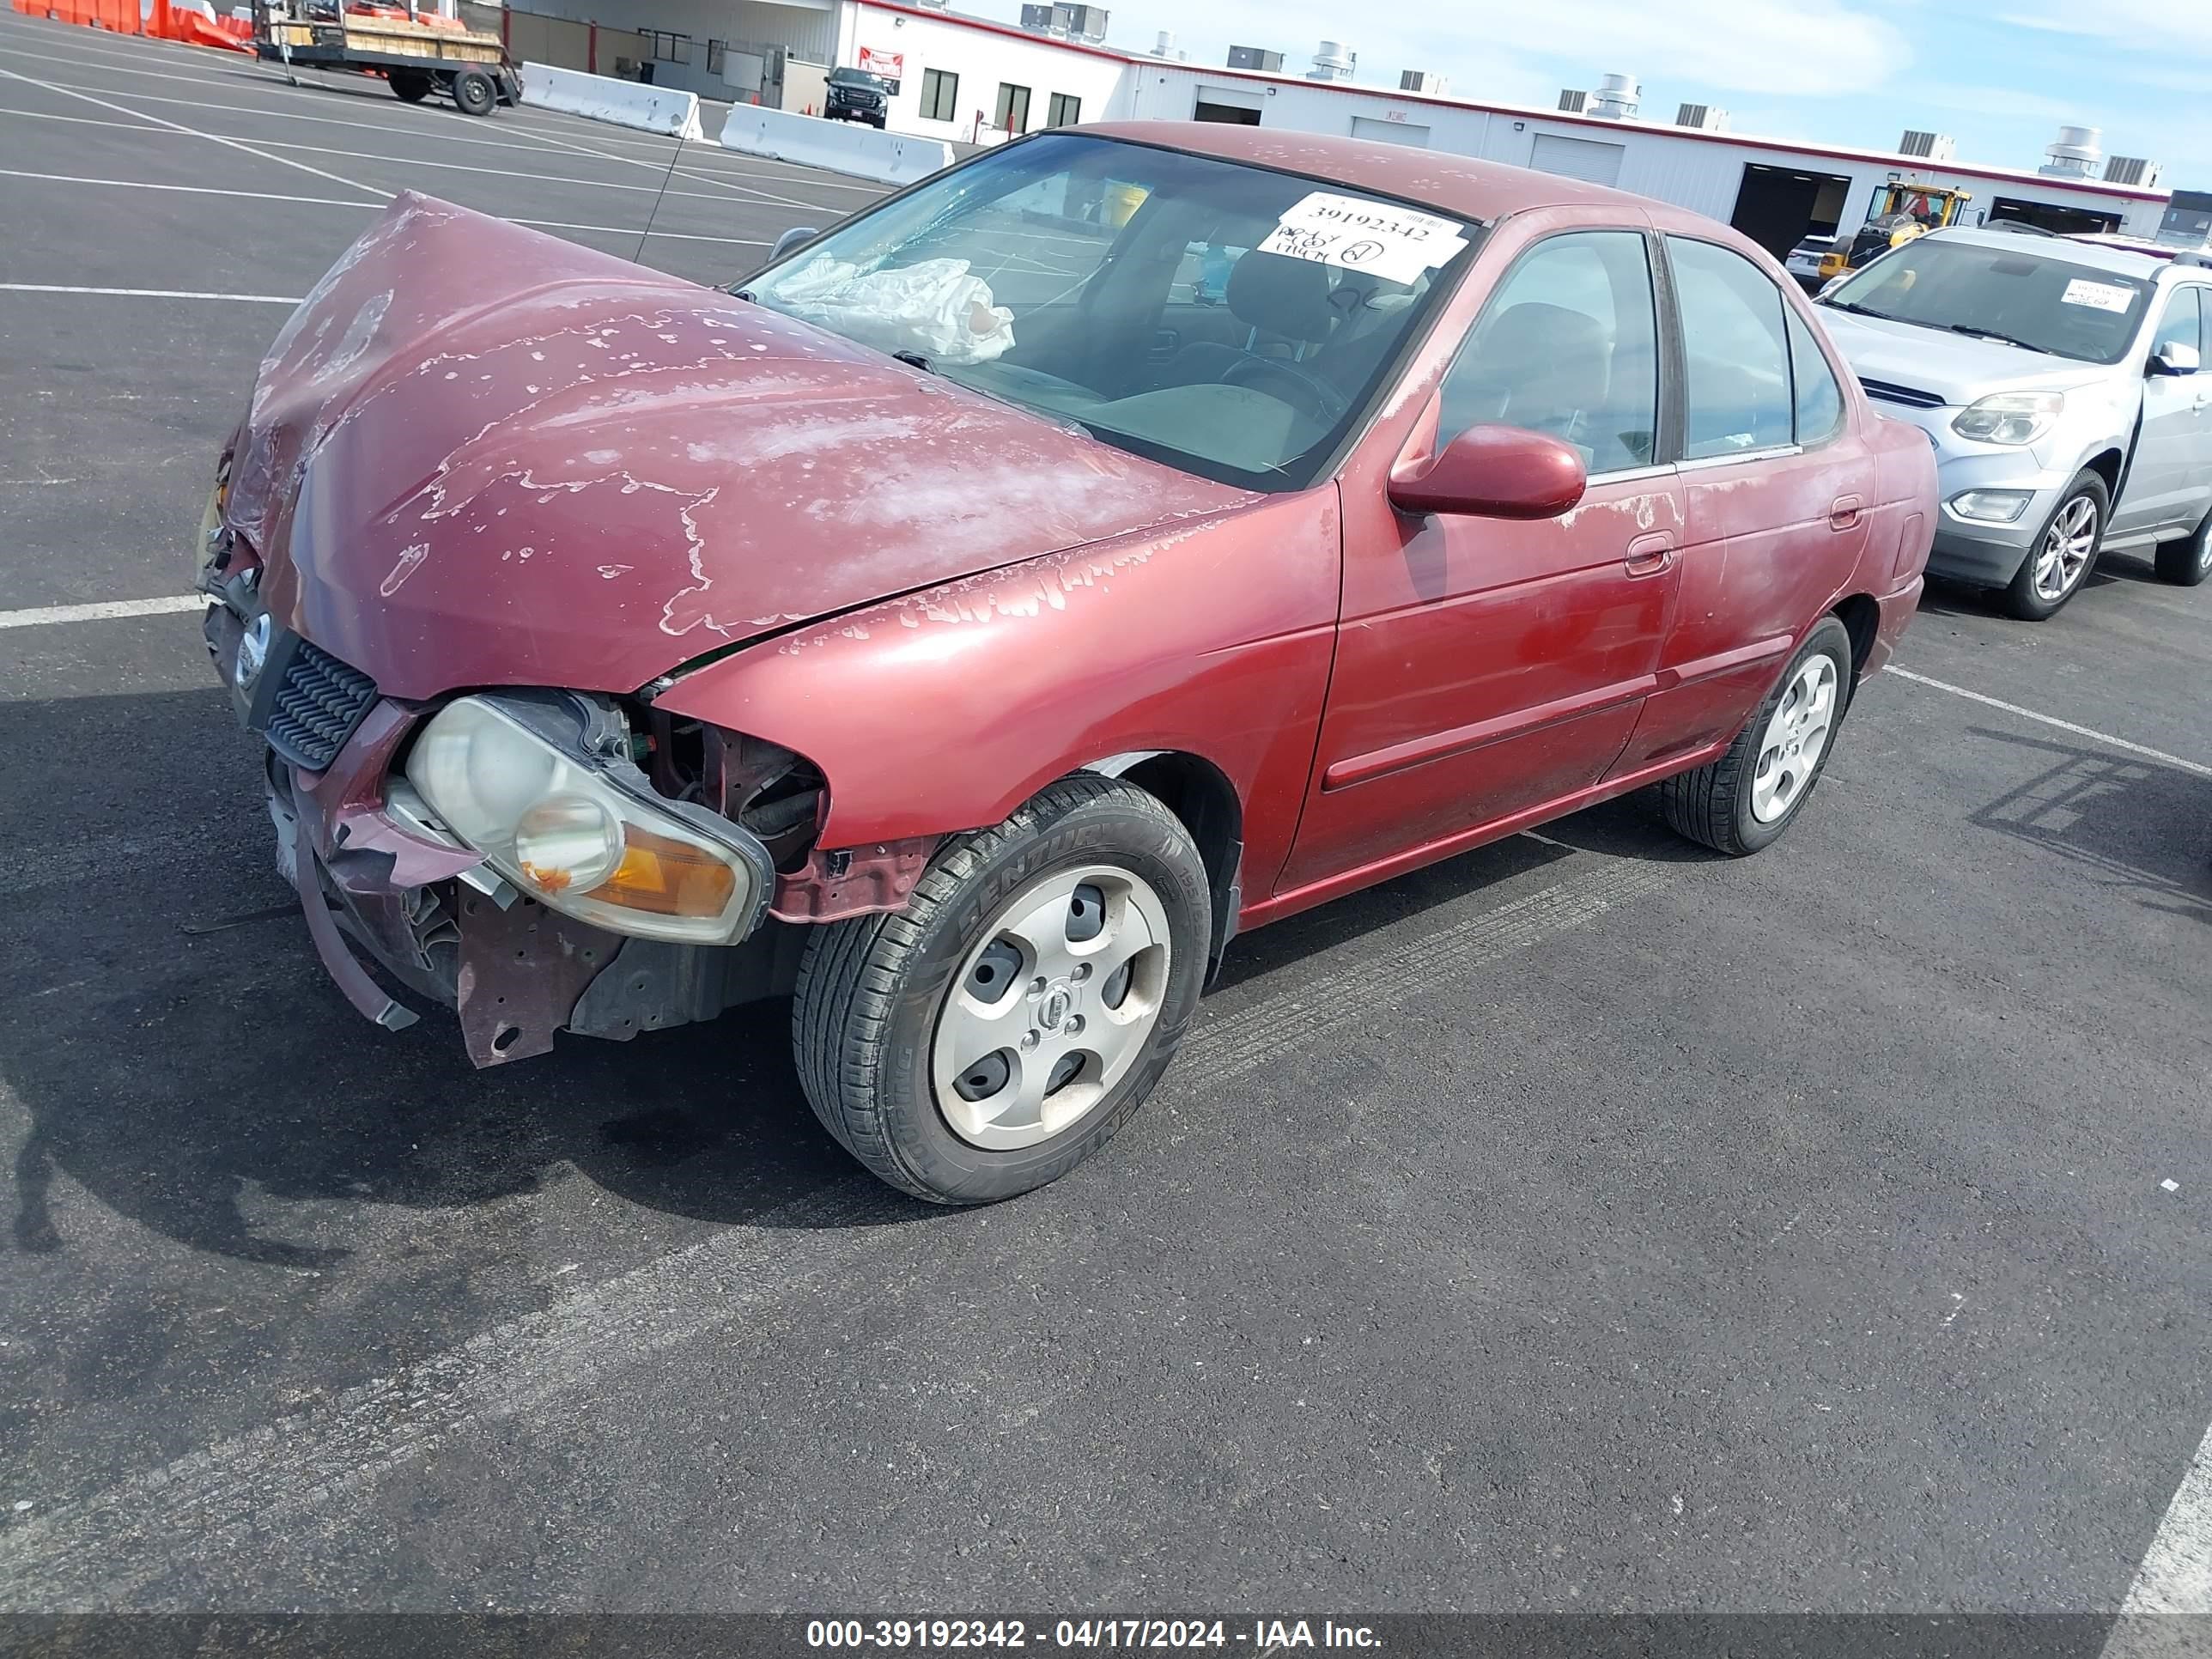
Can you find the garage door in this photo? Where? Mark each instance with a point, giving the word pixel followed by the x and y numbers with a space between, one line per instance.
pixel 1389 132
pixel 1578 158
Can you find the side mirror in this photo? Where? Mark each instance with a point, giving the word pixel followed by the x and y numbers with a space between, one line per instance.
pixel 791 241
pixel 2175 358
pixel 1495 473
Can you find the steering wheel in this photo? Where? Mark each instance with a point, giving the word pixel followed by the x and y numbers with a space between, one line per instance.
pixel 1321 399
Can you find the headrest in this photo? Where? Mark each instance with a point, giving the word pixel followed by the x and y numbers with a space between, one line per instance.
pixel 1284 296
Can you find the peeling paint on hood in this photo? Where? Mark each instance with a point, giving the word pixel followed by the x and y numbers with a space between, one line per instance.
pixel 479 455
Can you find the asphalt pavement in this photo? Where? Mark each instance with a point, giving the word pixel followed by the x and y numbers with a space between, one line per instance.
pixel 1585 1224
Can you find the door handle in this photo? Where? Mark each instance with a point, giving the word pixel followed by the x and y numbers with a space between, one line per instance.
pixel 1648 555
pixel 1843 513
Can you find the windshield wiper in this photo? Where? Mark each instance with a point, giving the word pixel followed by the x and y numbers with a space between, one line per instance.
pixel 1858 310
pixel 915 360
pixel 1976 332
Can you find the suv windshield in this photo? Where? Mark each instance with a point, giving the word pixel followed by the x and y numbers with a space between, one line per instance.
pixel 851 77
pixel 2017 294
pixel 1225 319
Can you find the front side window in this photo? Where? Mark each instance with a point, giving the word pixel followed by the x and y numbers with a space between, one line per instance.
pixel 1735 356
pixel 1013 116
pixel 1568 346
pixel 2014 295
pixel 1195 311
pixel 940 96
pixel 2182 323
pixel 1819 400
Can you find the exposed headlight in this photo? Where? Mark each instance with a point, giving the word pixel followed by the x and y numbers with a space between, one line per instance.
pixel 1992 506
pixel 565 830
pixel 2010 417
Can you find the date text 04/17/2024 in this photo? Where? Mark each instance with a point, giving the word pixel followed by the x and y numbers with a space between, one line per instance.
pixel 1260 1635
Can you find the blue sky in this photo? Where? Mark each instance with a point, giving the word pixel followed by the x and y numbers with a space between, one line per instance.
pixel 2000 76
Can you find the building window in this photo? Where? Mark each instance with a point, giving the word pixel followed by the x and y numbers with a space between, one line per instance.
pixel 1066 111
pixel 670 48
pixel 940 96
pixel 1013 116
pixel 713 58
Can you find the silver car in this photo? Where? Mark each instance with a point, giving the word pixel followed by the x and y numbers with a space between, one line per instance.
pixel 2060 384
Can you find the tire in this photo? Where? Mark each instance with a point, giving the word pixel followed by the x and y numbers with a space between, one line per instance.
pixel 2188 562
pixel 888 1006
pixel 1731 804
pixel 411 86
pixel 475 93
pixel 2071 524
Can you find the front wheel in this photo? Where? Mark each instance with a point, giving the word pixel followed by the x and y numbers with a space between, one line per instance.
pixel 1743 801
pixel 475 93
pixel 2064 553
pixel 2187 562
pixel 999 1029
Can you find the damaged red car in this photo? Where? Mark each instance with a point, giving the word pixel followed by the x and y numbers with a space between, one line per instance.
pixel 972 621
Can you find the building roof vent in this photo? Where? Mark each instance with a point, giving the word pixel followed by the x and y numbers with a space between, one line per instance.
pixel 1706 118
pixel 1332 63
pixel 1616 98
pixel 1422 81
pixel 1573 102
pixel 1255 58
pixel 2074 155
pixel 1929 146
pixel 2133 170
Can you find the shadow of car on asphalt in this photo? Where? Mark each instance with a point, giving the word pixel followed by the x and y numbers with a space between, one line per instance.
pixel 205 1072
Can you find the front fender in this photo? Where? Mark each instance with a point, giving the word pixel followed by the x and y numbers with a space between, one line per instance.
pixel 943 710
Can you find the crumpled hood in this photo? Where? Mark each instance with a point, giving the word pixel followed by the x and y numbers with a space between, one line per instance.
pixel 479 455
pixel 1956 368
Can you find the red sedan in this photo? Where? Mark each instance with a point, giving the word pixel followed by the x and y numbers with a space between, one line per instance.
pixel 1136 535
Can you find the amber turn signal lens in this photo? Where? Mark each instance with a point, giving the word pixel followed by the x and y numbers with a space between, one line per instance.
pixel 665 878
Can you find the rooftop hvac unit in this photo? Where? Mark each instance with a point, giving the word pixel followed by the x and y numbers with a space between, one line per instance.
pixel 1255 58
pixel 1573 102
pixel 1929 146
pixel 2132 170
pixel 1037 20
pixel 1422 81
pixel 1085 22
pixel 1332 63
pixel 2074 155
pixel 1616 98
pixel 1165 47
pixel 1704 117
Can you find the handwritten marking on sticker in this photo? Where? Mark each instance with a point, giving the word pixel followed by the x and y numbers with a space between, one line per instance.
pixel 2104 296
pixel 1396 244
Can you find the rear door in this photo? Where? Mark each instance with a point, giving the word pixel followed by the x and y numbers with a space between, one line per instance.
pixel 1779 489
pixel 2168 479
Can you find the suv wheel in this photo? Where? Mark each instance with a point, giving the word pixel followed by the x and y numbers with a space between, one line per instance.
pixel 999 1029
pixel 2064 552
pixel 2187 562
pixel 1743 801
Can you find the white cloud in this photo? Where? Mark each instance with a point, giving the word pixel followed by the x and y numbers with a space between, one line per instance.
pixel 2161 28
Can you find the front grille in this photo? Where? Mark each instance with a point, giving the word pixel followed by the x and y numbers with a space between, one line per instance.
pixel 317 708
pixel 1911 397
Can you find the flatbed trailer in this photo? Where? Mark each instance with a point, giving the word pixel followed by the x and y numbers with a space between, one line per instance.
pixel 417 59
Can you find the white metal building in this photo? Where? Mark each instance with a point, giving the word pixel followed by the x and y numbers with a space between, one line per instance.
pixel 974 81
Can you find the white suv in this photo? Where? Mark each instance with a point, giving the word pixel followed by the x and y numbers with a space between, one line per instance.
pixel 2061 384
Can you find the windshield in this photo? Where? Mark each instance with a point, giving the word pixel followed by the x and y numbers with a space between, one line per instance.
pixel 1223 318
pixel 2009 293
pixel 846 77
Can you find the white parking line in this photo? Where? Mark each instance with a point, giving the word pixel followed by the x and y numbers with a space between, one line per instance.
pixel 2176 1574
pixel 151 293
pixel 2194 767
pixel 194 132
pixel 43 615
pixel 190 190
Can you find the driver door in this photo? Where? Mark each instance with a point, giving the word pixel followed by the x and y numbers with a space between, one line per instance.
pixel 2164 488
pixel 1484 667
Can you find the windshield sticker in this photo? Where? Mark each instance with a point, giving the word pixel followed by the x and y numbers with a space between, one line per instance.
pixel 2103 296
pixel 1399 245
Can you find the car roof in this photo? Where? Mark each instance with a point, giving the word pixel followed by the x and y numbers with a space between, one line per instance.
pixel 2096 256
pixel 1483 191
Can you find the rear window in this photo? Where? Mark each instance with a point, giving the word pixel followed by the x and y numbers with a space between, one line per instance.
pixel 2018 296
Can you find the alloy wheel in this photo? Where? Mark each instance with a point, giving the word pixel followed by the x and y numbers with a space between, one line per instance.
pixel 2066 549
pixel 1795 738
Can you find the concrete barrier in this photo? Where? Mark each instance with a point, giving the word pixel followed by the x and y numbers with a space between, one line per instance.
pixel 887 158
pixel 604 98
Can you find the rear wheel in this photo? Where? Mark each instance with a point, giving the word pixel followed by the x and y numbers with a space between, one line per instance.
pixel 2187 562
pixel 1000 1029
pixel 475 93
pixel 2064 553
pixel 1743 801
pixel 411 86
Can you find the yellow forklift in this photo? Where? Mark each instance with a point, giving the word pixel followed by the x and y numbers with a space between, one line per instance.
pixel 1902 211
